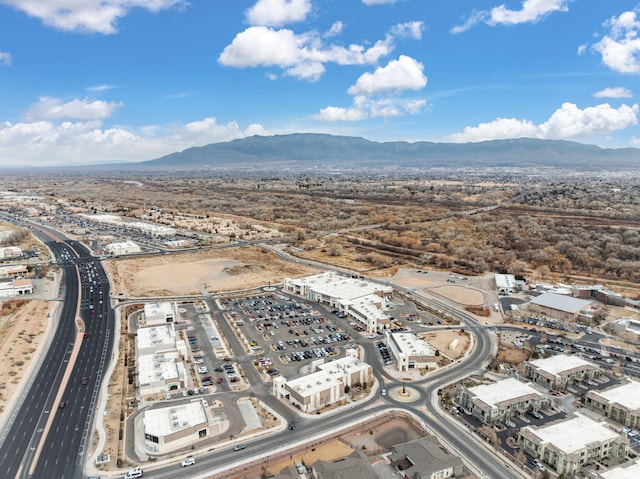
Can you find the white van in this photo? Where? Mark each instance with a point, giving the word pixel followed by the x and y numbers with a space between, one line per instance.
pixel 134 473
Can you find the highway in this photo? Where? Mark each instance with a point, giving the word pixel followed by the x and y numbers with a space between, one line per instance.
pixel 61 454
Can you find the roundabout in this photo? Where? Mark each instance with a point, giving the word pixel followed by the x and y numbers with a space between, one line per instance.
pixel 404 394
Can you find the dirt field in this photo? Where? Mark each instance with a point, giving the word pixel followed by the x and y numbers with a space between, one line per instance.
pixel 22 326
pixel 444 340
pixel 194 273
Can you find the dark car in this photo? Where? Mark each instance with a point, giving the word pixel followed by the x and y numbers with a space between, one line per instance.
pixel 63 404
pixel 292 426
pixel 85 380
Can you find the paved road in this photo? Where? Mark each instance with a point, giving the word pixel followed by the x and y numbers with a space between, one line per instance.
pixel 63 450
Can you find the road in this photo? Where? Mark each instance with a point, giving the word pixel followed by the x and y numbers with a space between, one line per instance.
pixel 25 450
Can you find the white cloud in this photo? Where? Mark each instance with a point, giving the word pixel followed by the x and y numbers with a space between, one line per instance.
pixel 5 58
pixel 532 12
pixel 299 55
pixel 405 73
pixel 617 92
pixel 90 16
pixel 409 29
pixel 567 122
pixel 47 143
pixel 335 30
pixel 100 88
pixel 85 109
pixel 378 94
pixel 635 141
pixel 275 13
pixel 620 47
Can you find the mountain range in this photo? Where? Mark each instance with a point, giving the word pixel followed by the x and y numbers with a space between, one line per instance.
pixel 313 151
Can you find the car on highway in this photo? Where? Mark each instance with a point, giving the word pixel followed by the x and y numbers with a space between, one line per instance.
pixel 85 380
pixel 239 447
pixel 63 404
pixel 189 461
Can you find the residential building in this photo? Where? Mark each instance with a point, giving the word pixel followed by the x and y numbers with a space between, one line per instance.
pixel 620 403
pixel 558 372
pixel 630 470
pixel 355 466
pixel 410 352
pixel 327 383
pixel 569 444
pixel 425 458
pixel 498 402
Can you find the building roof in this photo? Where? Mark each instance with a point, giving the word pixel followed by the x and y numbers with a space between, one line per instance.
pixel 159 367
pixel 336 286
pixel 626 471
pixel 626 395
pixel 561 363
pixel 422 457
pixel 164 308
pixel 505 391
pixel 560 302
pixel 328 375
pixel 409 345
pixel 168 420
pixel 574 435
pixel 156 337
pixel 355 466
pixel 505 281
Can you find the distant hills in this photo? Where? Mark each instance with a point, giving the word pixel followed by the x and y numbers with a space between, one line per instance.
pixel 313 151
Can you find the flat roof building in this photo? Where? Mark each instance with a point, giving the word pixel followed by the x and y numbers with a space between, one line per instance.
pixel 620 403
pixel 158 339
pixel 156 314
pixel 166 425
pixel 125 247
pixel 505 283
pixel 325 385
pixel 410 352
pixel 160 373
pixel 630 470
pixel 498 402
pixel 361 299
pixel 558 372
pixel 568 445
pixel 355 466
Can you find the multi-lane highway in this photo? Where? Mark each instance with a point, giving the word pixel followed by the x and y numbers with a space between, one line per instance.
pixel 47 434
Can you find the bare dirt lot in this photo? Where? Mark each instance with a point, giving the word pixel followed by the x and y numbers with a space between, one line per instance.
pixel 194 273
pixel 22 326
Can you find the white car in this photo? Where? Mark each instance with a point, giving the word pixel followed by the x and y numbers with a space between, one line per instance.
pixel 134 473
pixel 383 392
pixel 199 361
pixel 189 461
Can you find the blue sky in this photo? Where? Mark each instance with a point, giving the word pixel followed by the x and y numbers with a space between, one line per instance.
pixel 95 81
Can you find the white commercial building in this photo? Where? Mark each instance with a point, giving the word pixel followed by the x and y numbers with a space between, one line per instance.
pixel 17 287
pixel 498 402
pixel 158 339
pixel 161 372
pixel 186 423
pixel 620 403
pixel 558 306
pixel 567 445
pixel 125 247
pixel 156 314
pixel 560 371
pixel 361 299
pixel 505 283
pixel 410 352
pixel 325 385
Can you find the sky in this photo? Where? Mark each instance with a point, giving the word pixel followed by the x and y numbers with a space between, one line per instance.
pixel 111 81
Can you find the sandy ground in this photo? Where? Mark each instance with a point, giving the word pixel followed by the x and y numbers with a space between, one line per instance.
pixel 22 326
pixel 452 344
pixel 194 273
